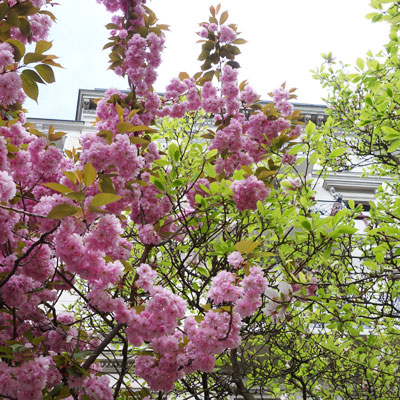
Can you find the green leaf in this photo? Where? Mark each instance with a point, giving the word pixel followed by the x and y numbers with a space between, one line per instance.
pixel 211 154
pixel 102 199
pixel 310 128
pixel 394 146
pixel 139 309
pixel 347 229
pixel 57 187
pixel 246 246
pixel 97 210
pixel 306 225
pixel 199 318
pixel 46 72
pixel 77 196
pixel 337 153
pixel 70 175
pixel 30 87
pixel 19 48
pixel 360 63
pixel 32 75
pixel 124 126
pixel 159 185
pixel 203 271
pixel 42 46
pixel 296 148
pixel 214 187
pixel 63 394
pixel 223 18
pixel 390 133
pixel 106 134
pixel 89 174
pixel 369 101
pixel 25 27
pixel 173 152
pixel 33 57
pixel 12 18
pixel 261 254
pixel 4 7
pixel 138 140
pixel 106 185
pixel 53 137
pixel 373 362
pixel 63 210
pixel 210 170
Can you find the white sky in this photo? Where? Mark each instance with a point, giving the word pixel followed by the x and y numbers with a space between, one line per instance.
pixel 285 41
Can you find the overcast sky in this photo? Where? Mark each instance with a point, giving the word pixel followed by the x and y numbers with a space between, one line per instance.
pixel 285 41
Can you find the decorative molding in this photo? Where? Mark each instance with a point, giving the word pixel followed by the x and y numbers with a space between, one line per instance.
pixel 353 186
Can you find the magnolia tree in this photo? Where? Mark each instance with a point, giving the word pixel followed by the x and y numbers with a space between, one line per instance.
pixel 183 228
pixel 363 101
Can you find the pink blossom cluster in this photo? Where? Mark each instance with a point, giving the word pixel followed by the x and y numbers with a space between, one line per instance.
pixel 289 158
pixel 247 141
pixel 148 235
pixel 45 159
pixel 142 57
pixel 211 101
pixel 96 150
pixel 122 5
pixel 146 277
pixel 183 96
pixel 230 90
pixel 15 134
pixel 97 387
pixel 25 381
pixel 281 97
pixel 243 140
pixel 248 95
pixel 7 222
pixel 10 85
pixel 218 331
pixel 6 55
pixel 263 130
pixel 229 138
pixel 235 259
pixel 39 23
pixel 27 287
pixel 40 27
pixel 159 318
pixel 253 285
pixel 247 192
pixel 246 297
pixel 225 34
pixel 162 373
pixel 128 160
pixel 178 352
pixel 108 117
pixel 86 256
pixel 7 186
pixel 223 288
pixel 35 3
